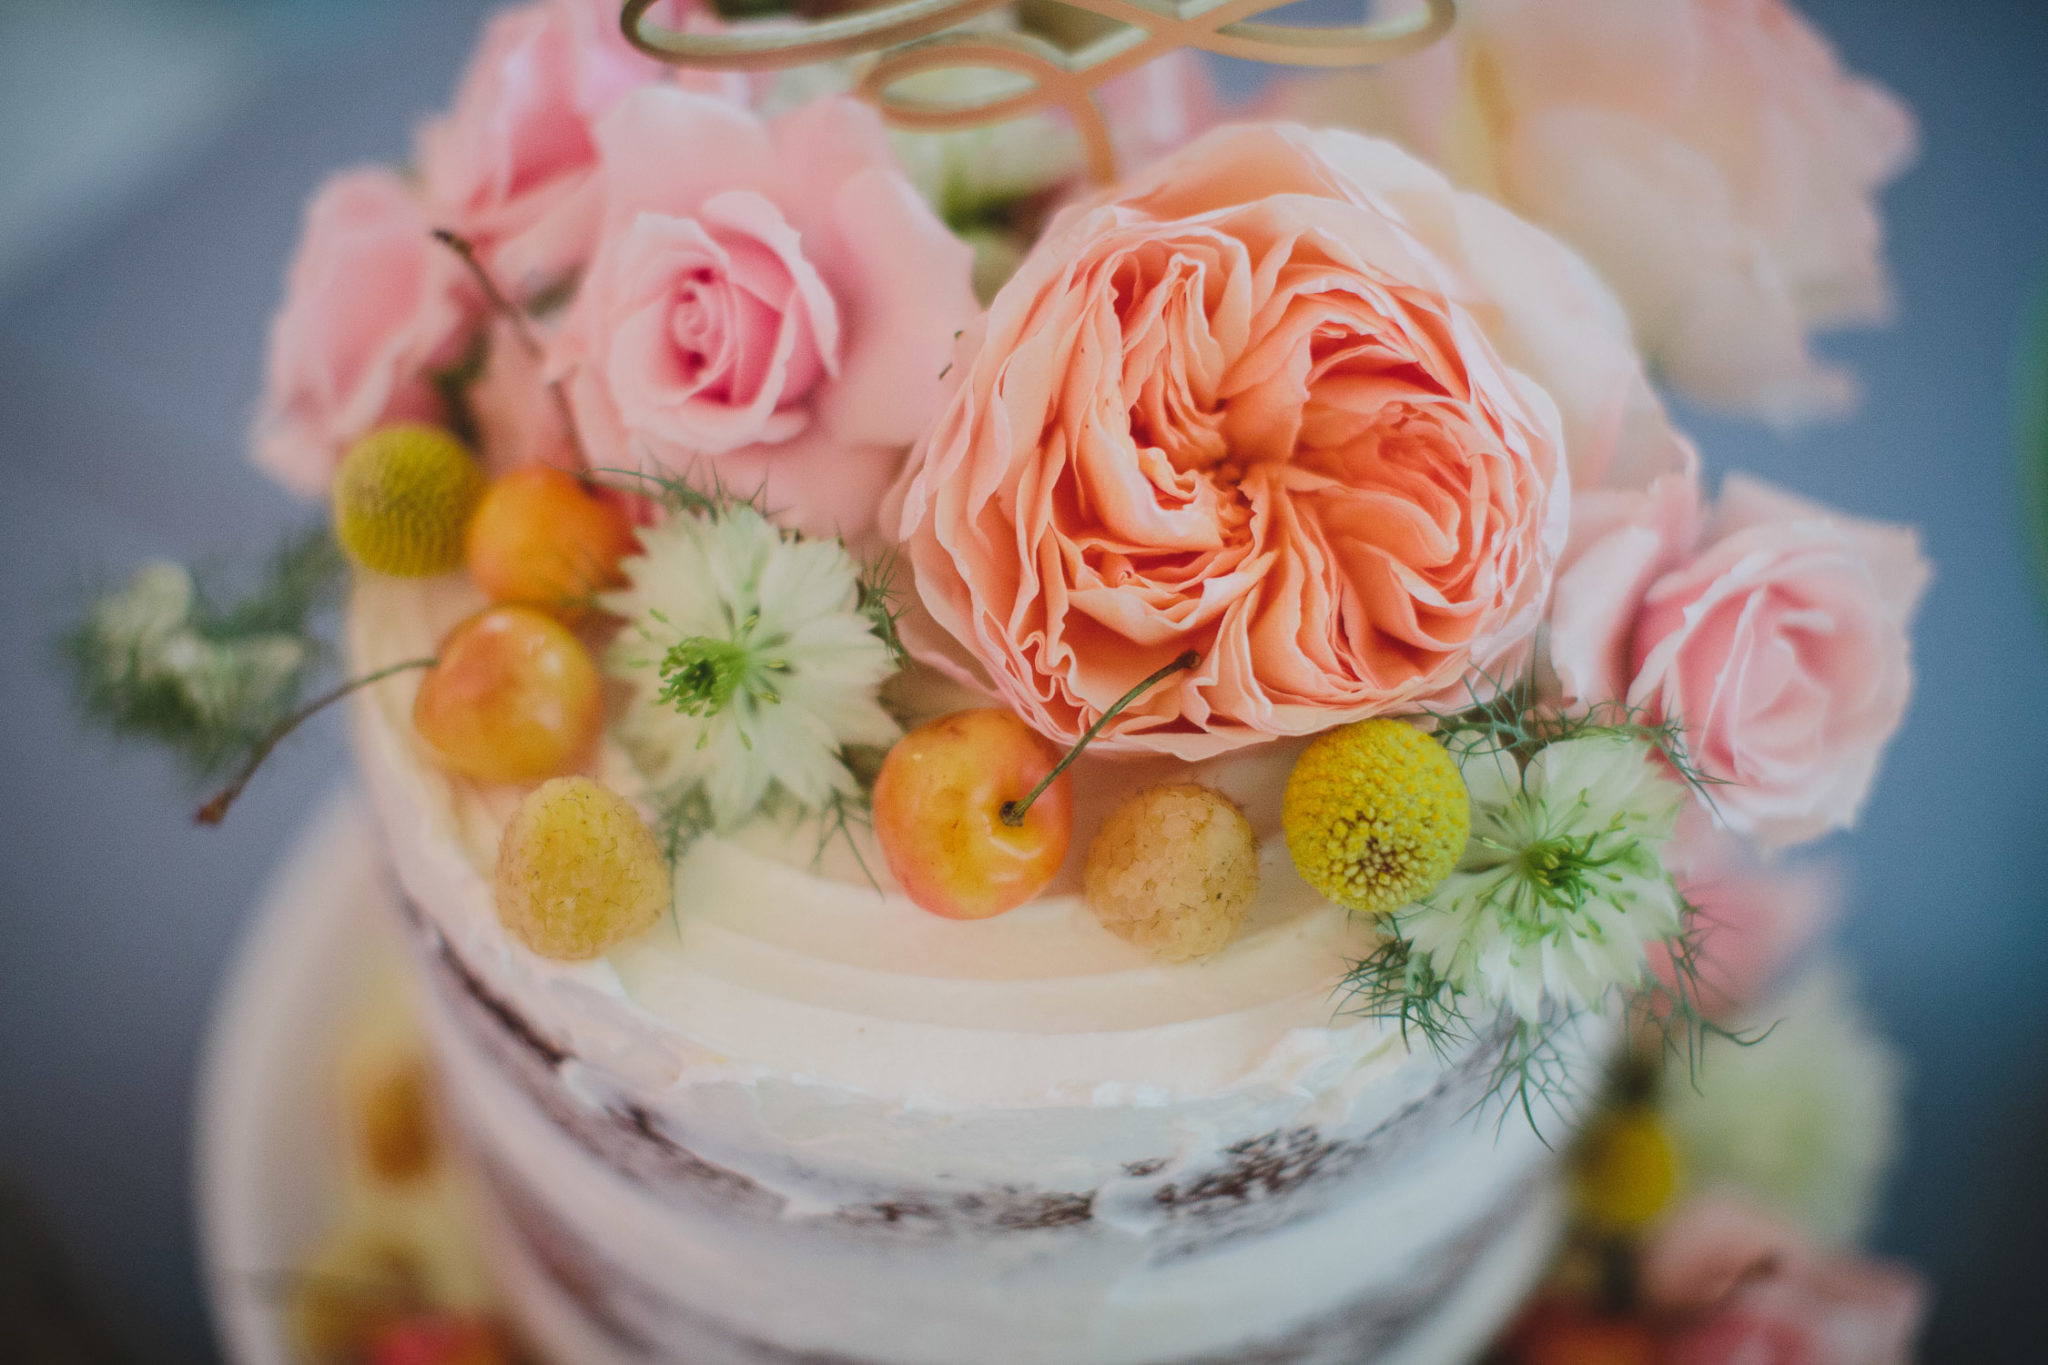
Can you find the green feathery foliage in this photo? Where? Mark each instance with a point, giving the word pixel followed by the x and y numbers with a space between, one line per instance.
pixel 1531 1073
pixel 1534 1071
pixel 163 658
pixel 683 817
pixel 840 818
pixel 1394 984
pixel 680 495
pixel 1514 718
pixel 882 603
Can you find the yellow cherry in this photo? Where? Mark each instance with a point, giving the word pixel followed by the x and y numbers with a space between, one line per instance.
pixel 938 814
pixel 512 697
pixel 541 537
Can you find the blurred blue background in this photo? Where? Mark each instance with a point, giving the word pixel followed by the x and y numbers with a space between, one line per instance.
pixel 153 160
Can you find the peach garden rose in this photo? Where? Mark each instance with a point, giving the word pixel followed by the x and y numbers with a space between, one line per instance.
pixel 1290 401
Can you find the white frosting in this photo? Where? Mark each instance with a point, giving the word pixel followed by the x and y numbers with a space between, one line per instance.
pixel 703 1285
pixel 827 1040
pixel 813 976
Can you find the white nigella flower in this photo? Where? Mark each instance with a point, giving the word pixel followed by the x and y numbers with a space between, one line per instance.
pixel 752 663
pixel 1562 887
pixel 1806 1118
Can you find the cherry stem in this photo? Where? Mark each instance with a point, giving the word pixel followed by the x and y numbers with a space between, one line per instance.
pixel 522 327
pixel 215 810
pixel 1013 812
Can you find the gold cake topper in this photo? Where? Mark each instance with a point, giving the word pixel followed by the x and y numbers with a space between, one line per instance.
pixel 907 37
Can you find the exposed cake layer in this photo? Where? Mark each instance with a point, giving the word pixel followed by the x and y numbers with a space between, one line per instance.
pixel 1304 1245
pixel 582 1305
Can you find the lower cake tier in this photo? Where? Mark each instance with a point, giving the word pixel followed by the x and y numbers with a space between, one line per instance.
pixel 1403 1229
pixel 1451 1310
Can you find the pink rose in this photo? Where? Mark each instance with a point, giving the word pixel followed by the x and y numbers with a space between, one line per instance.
pixel 1287 400
pixel 770 305
pixel 1753 919
pixel 512 165
pixel 373 306
pixel 519 419
pixel 1781 651
pixel 608 67
pixel 1746 1289
pixel 1621 541
pixel 1711 157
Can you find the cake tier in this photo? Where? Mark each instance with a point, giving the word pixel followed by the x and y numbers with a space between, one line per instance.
pixel 806 1121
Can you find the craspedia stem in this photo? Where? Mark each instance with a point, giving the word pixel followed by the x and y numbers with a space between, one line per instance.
pixel 501 303
pixel 1013 812
pixel 216 809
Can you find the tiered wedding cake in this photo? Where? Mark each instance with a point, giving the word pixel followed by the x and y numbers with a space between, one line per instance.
pixel 992 769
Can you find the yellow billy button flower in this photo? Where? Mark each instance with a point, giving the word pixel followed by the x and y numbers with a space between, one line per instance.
pixel 578 870
pixel 1626 1170
pixel 403 498
pixel 1376 815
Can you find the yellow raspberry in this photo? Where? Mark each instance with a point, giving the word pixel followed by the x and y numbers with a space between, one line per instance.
pixel 403 498
pixel 339 1298
pixel 1376 815
pixel 392 1112
pixel 578 870
pixel 1626 1170
pixel 1174 869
